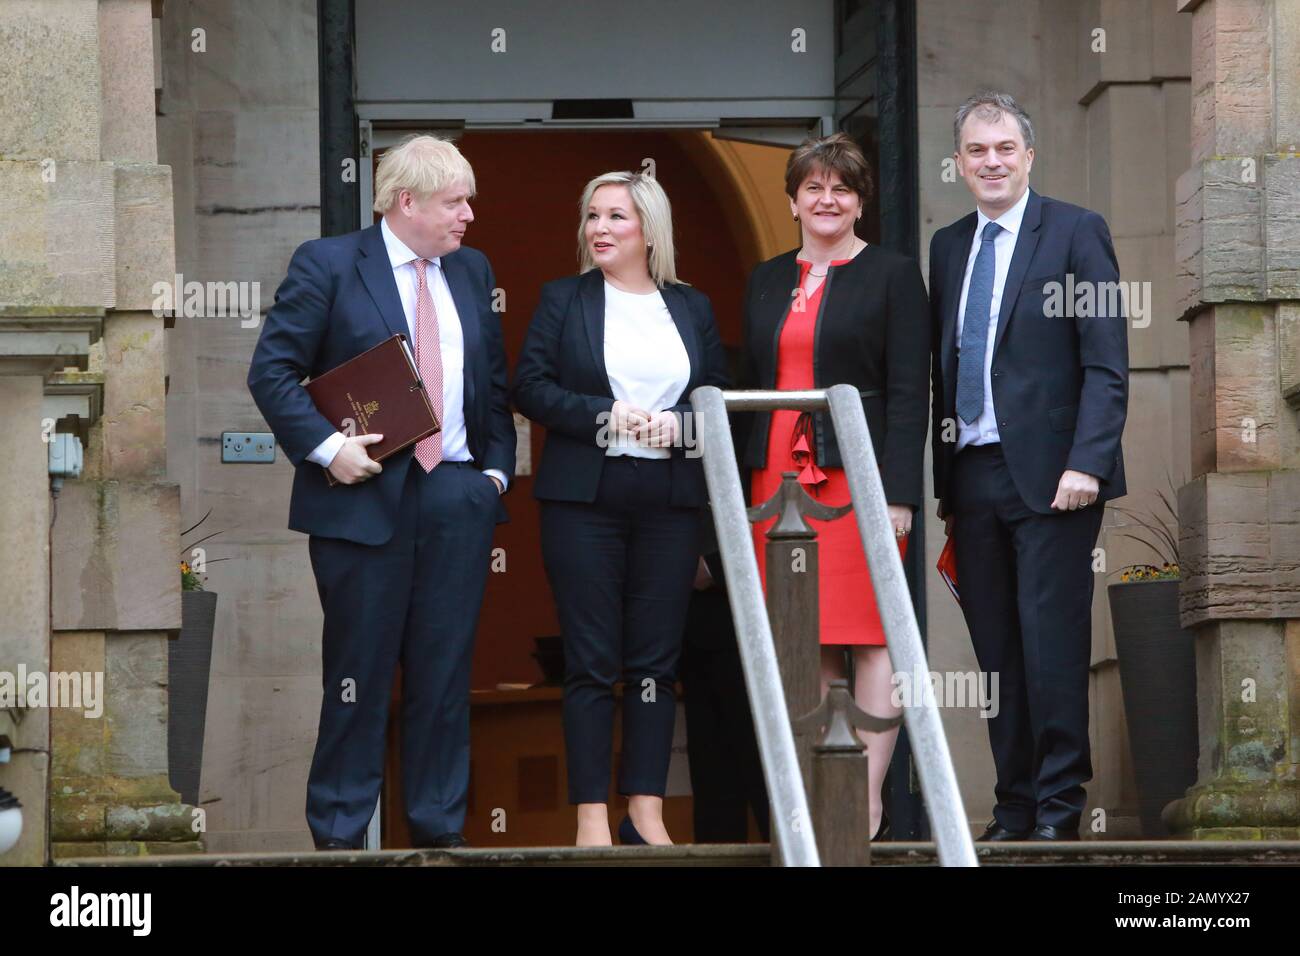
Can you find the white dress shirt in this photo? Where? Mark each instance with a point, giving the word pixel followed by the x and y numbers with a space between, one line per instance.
pixel 984 430
pixel 644 356
pixel 451 338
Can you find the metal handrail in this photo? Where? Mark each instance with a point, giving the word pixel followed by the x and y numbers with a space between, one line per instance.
pixel 791 824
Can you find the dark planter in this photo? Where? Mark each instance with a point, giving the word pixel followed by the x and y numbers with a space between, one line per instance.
pixel 1157 668
pixel 189 659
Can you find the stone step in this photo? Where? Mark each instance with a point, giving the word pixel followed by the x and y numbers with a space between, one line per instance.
pixel 1082 853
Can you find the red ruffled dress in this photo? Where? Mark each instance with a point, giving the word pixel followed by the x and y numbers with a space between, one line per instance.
pixel 846 599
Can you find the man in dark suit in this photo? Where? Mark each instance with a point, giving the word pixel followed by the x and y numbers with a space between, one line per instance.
pixel 1030 396
pixel 721 746
pixel 400 551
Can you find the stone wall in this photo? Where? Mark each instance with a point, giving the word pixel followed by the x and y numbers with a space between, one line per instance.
pixel 93 584
pixel 238 123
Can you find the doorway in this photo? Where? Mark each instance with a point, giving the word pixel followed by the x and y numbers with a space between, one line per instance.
pixel 695 102
pixel 526 220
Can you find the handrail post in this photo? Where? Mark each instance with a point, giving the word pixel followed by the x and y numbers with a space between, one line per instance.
pixel 792 601
pixel 841 783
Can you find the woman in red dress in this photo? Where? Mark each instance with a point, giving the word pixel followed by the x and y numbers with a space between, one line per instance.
pixel 838 310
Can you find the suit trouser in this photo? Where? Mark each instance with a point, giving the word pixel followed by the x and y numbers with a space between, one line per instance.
pixel 621 569
pixel 1026 584
pixel 414 599
pixel 726 770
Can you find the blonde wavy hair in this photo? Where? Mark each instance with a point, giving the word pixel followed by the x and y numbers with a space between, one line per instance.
pixel 423 164
pixel 656 215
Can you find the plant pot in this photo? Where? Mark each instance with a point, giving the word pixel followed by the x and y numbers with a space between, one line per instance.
pixel 1157 669
pixel 189 660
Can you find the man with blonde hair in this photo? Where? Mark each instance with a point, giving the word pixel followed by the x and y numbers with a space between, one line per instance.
pixel 400 551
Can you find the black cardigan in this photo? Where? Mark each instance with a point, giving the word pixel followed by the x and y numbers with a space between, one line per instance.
pixel 872 332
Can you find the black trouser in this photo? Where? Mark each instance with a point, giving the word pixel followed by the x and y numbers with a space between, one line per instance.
pixel 621 569
pixel 726 771
pixel 1026 583
pixel 414 599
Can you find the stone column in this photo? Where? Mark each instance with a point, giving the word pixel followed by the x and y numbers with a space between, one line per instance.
pixel 87 230
pixel 25 599
pixel 1238 247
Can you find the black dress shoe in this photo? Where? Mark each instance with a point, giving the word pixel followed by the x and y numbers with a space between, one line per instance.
pixel 1045 832
pixel 334 845
pixel 448 841
pixel 997 833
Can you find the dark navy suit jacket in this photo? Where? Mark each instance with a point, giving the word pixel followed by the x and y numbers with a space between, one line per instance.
pixel 561 383
pixel 1060 384
pixel 339 299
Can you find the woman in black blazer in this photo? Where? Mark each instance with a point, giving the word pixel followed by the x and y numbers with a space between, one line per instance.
pixel 608 366
pixel 838 310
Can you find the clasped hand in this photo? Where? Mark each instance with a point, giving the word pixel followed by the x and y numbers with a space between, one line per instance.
pixel 639 427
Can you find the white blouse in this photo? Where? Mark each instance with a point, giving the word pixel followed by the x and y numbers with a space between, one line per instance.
pixel 645 357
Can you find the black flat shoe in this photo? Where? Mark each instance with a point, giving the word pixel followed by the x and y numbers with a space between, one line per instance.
pixel 1045 832
pixel 882 829
pixel 997 833
pixel 628 835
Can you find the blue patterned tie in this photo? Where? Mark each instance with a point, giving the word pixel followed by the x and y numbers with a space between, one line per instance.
pixel 975 330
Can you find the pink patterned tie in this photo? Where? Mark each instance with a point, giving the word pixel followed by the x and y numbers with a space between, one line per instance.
pixel 428 359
